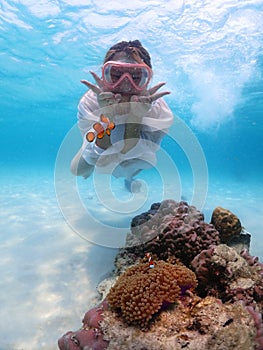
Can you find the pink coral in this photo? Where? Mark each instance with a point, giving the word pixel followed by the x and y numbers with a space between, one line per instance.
pixel 94 316
pixel 257 317
pixel 90 336
pixel 83 339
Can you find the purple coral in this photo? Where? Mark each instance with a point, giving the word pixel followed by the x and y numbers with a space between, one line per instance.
pixel 232 277
pixel 224 273
pixel 90 336
pixel 257 317
pixel 254 293
pixel 174 229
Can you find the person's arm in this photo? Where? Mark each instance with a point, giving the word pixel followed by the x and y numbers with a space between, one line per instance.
pixel 152 126
pixel 88 114
pixel 132 135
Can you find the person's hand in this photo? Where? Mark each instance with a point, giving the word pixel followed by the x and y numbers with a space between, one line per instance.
pixel 104 97
pixel 110 102
pixel 139 105
pixel 142 103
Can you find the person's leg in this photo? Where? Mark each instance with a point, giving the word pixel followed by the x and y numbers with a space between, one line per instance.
pixel 129 169
pixel 131 184
pixel 79 167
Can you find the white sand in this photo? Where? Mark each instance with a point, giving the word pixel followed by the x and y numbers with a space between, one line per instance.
pixel 49 273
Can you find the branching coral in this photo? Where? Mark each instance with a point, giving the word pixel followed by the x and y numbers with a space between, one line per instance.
pixel 173 229
pixel 141 291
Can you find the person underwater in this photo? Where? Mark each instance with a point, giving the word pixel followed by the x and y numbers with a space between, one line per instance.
pixel 122 121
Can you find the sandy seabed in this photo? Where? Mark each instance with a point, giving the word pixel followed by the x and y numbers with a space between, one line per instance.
pixel 49 272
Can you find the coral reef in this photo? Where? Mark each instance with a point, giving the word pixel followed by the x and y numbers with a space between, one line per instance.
pixel 226 223
pixel 193 324
pixel 223 273
pixel 89 336
pixel 232 277
pixel 155 303
pixel 141 291
pixel 172 229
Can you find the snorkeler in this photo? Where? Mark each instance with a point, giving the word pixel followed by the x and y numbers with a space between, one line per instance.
pixel 121 120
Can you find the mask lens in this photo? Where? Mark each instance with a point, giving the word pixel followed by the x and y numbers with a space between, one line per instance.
pixel 144 77
pixel 112 73
pixel 107 73
pixel 116 74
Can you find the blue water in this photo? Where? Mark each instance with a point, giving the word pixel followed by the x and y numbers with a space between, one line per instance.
pixel 210 55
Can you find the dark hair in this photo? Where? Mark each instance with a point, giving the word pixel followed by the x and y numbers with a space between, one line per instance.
pixel 133 49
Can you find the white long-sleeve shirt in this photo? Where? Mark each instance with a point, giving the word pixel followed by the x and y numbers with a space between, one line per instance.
pixel 155 124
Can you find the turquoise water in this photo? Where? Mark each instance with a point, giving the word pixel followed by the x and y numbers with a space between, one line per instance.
pixel 210 55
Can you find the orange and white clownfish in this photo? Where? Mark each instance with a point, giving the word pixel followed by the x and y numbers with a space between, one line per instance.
pixel 100 129
pixel 150 260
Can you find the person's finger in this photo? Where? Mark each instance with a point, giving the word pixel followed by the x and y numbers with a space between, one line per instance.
pixel 106 95
pixel 109 97
pixel 155 97
pixel 136 98
pixel 97 79
pixel 153 90
pixel 142 99
pixel 118 98
pixel 91 86
pixel 149 99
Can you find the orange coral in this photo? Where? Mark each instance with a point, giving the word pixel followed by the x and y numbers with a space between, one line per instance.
pixel 141 291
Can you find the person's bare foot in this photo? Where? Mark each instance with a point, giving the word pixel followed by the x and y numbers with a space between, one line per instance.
pixel 133 186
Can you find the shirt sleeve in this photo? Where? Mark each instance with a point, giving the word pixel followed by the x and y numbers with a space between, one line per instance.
pixel 88 114
pixel 156 123
pixel 159 117
pixel 88 111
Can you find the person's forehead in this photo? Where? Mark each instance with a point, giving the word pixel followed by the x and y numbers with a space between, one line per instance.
pixel 123 57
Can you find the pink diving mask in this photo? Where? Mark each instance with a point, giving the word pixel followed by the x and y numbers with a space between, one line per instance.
pixel 114 73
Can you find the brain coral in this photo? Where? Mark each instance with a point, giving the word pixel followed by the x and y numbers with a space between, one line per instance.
pixel 173 229
pixel 226 223
pixel 141 291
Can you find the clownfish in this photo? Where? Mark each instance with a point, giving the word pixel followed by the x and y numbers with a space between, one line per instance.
pixel 150 260
pixel 100 129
